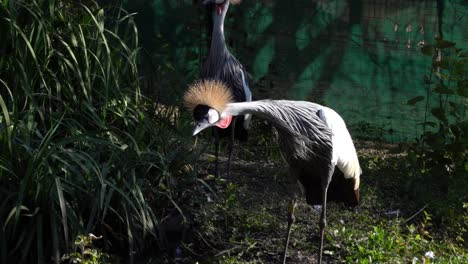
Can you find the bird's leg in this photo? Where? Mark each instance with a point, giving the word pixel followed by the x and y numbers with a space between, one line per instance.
pixel 231 147
pixel 216 134
pixel 323 215
pixel 291 219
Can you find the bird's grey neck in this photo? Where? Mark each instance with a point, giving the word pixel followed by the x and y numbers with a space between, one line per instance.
pixel 266 109
pixel 236 109
pixel 218 43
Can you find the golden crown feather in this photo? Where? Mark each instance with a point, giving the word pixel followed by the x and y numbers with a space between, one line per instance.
pixel 212 93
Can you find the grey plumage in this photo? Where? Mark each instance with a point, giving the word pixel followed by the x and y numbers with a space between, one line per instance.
pixel 223 66
pixel 302 135
pixel 308 136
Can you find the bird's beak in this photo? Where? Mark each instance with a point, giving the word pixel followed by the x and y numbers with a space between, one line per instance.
pixel 200 126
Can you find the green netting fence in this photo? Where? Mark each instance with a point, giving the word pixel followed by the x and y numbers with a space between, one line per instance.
pixel 362 58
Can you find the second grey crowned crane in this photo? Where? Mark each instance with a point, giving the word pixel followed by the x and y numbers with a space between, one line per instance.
pixel 313 140
pixel 222 65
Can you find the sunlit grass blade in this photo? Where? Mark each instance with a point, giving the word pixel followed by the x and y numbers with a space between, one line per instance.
pixel 63 210
pixel 76 68
pixel 13 212
pixel 6 118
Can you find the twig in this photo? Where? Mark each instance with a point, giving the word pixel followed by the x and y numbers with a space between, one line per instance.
pixel 206 242
pixel 418 212
pixel 190 250
pixel 251 246
pixel 225 251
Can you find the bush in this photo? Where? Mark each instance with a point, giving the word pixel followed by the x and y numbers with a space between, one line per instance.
pixel 81 149
pixel 439 159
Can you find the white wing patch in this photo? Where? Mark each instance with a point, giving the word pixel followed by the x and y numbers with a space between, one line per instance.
pixel 248 98
pixel 321 114
pixel 344 153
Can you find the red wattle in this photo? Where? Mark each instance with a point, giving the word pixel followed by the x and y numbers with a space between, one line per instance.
pixel 219 8
pixel 224 122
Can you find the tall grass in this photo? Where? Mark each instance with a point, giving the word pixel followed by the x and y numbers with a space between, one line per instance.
pixel 80 151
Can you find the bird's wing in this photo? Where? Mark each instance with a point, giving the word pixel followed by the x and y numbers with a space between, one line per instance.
pixel 326 118
pixel 248 98
pixel 344 153
pixel 248 93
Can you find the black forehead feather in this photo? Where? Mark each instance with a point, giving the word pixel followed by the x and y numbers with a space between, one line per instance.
pixel 200 111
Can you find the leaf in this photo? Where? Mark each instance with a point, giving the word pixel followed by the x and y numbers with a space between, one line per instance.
pixel 462 88
pixel 459 69
pixel 443 44
pixel 427 80
pixel 414 100
pixel 435 140
pixel 13 212
pixel 63 210
pixel 463 54
pixel 458 132
pixel 100 17
pixel 74 40
pixel 6 117
pixel 429 123
pixel 427 50
pixel 442 89
pixel 439 113
pixel 453 105
pixel 444 64
pixel 441 76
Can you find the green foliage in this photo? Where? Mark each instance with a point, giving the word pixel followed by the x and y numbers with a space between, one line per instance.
pixel 394 241
pixel 439 158
pixel 86 253
pixel 228 225
pixel 247 221
pixel 412 230
pixel 81 149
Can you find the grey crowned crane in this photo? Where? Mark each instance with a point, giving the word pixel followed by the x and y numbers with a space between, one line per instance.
pixel 313 140
pixel 222 65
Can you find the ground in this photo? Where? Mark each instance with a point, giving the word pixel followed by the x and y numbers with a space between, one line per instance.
pixel 242 219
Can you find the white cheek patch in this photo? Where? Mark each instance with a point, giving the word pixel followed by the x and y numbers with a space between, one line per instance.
pixel 213 116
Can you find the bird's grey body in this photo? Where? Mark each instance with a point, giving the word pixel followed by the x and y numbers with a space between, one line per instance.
pixel 308 134
pixel 302 135
pixel 304 138
pixel 221 65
